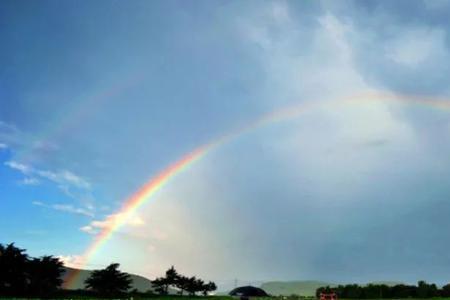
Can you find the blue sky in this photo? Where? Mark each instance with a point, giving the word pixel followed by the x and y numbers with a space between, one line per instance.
pixel 98 97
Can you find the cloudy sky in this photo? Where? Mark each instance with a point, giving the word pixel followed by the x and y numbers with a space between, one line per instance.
pixel 98 97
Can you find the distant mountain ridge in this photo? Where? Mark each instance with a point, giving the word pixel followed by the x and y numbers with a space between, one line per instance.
pixel 286 288
pixel 305 287
pixel 388 283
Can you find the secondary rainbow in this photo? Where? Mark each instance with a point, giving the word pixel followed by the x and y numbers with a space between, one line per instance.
pixel 145 193
pixel 81 109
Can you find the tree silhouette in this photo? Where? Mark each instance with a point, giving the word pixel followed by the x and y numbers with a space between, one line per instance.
pixel 172 275
pixel 193 285
pixel 109 281
pixel 181 284
pixel 22 276
pixel 44 276
pixel 199 285
pixel 446 290
pixel 13 270
pixel 161 285
pixel 382 291
pixel 209 287
pixel 425 290
pixel 190 285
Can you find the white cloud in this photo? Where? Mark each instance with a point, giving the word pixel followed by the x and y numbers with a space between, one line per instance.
pixel 325 72
pixel 69 208
pixel 3 146
pixel 21 142
pixel 72 261
pixel 29 181
pixel 65 179
pixel 413 47
pixel 25 169
pixel 113 220
pixel 303 63
pixel 89 229
pixel 136 221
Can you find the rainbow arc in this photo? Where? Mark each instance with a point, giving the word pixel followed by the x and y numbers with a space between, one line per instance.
pixel 156 183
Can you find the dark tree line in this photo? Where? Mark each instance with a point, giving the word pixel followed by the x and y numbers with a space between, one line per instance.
pixel 190 285
pixel 28 277
pixel 382 291
pixel 24 276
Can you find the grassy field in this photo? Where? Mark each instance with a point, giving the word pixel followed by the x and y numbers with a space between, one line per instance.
pixel 216 298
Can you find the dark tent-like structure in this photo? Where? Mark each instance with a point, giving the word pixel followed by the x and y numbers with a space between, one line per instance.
pixel 248 291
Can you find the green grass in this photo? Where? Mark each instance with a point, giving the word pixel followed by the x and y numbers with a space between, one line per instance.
pixel 223 297
pixel 142 298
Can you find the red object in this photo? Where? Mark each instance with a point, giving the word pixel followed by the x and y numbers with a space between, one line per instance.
pixel 330 296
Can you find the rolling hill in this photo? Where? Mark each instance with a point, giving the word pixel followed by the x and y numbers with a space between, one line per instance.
pixel 276 288
pixel 286 288
pixel 140 283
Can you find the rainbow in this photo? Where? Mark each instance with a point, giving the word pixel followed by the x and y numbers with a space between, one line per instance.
pixel 80 110
pixel 152 186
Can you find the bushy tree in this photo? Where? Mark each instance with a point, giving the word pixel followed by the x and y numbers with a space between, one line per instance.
pixel 325 289
pixel 13 270
pixel 445 292
pixel 199 286
pixel 44 276
pixel 109 281
pixel 172 275
pixel 403 291
pixel 161 285
pixel 182 283
pixel 382 291
pixel 191 285
pixel 371 291
pixel 21 275
pixel 209 287
pixel 425 290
